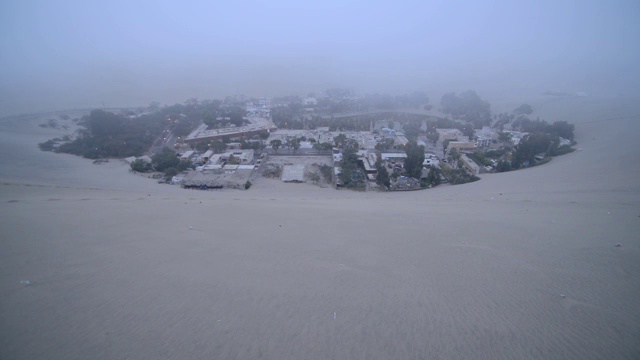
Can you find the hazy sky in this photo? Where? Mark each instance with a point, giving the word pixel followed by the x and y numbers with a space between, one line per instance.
pixel 63 53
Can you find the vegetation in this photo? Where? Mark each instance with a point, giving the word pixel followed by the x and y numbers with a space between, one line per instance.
pixel 385 144
pixel 382 177
pixel 433 179
pixel 433 137
pixel 327 172
pixel 503 166
pixel 140 165
pixel 275 144
pixel 109 135
pixel 314 177
pixel 105 134
pixel 294 144
pixel 454 155
pixel 323 146
pixel 458 176
pixel 168 162
pixel 558 128
pixel 532 145
pixel 340 140
pixel 524 109
pixel 218 146
pixel 411 129
pixel 468 107
pixel 504 137
pixel 414 160
pixel 247 185
pixel 480 159
pixel 562 150
pixel 351 175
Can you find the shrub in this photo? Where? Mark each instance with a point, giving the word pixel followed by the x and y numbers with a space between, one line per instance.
pixel 140 165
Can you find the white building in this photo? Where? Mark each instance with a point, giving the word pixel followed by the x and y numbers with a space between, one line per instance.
pixel 470 165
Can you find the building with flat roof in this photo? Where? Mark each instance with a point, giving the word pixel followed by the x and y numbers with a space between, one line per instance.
pixel 470 165
pixel 482 141
pixel 462 145
pixel 256 126
pixel 393 156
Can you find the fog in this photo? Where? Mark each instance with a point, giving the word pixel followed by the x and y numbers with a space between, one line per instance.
pixel 66 54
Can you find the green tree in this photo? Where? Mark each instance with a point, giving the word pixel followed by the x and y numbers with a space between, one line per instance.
pixel 563 129
pixel 467 106
pixel 349 165
pixel 202 146
pixel 503 166
pixel 275 144
pixel 382 176
pixel 210 118
pixel 433 178
pixel 530 146
pixel 454 154
pixel 165 160
pixel 385 144
pixel 295 145
pixel 218 146
pixel 414 160
pixel 170 172
pixel 140 165
pixel 233 160
pixel 315 178
pixel 340 140
pixel 445 144
pixel 467 130
pixel 504 137
pixel 327 172
pixel 323 146
pixel 433 137
pixel 411 130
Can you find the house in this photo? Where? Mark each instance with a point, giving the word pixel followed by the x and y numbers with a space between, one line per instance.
pixel 462 145
pixel 482 141
pixel 431 161
pixel 470 165
pixel 242 156
pixel 393 156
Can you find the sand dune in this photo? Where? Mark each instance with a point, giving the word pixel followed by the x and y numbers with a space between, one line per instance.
pixel 517 265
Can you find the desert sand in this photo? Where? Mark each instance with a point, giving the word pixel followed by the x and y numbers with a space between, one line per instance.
pixel 97 263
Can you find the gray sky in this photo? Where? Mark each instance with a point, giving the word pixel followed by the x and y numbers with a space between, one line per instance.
pixel 60 54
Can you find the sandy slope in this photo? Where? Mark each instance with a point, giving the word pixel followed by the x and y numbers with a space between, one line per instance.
pixel 518 265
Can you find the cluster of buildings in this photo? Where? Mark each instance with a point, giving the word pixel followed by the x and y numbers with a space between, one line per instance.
pixel 234 167
pixel 231 169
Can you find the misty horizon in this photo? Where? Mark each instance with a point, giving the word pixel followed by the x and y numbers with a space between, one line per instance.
pixel 65 55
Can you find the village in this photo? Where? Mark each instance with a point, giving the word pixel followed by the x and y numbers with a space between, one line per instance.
pixel 380 158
